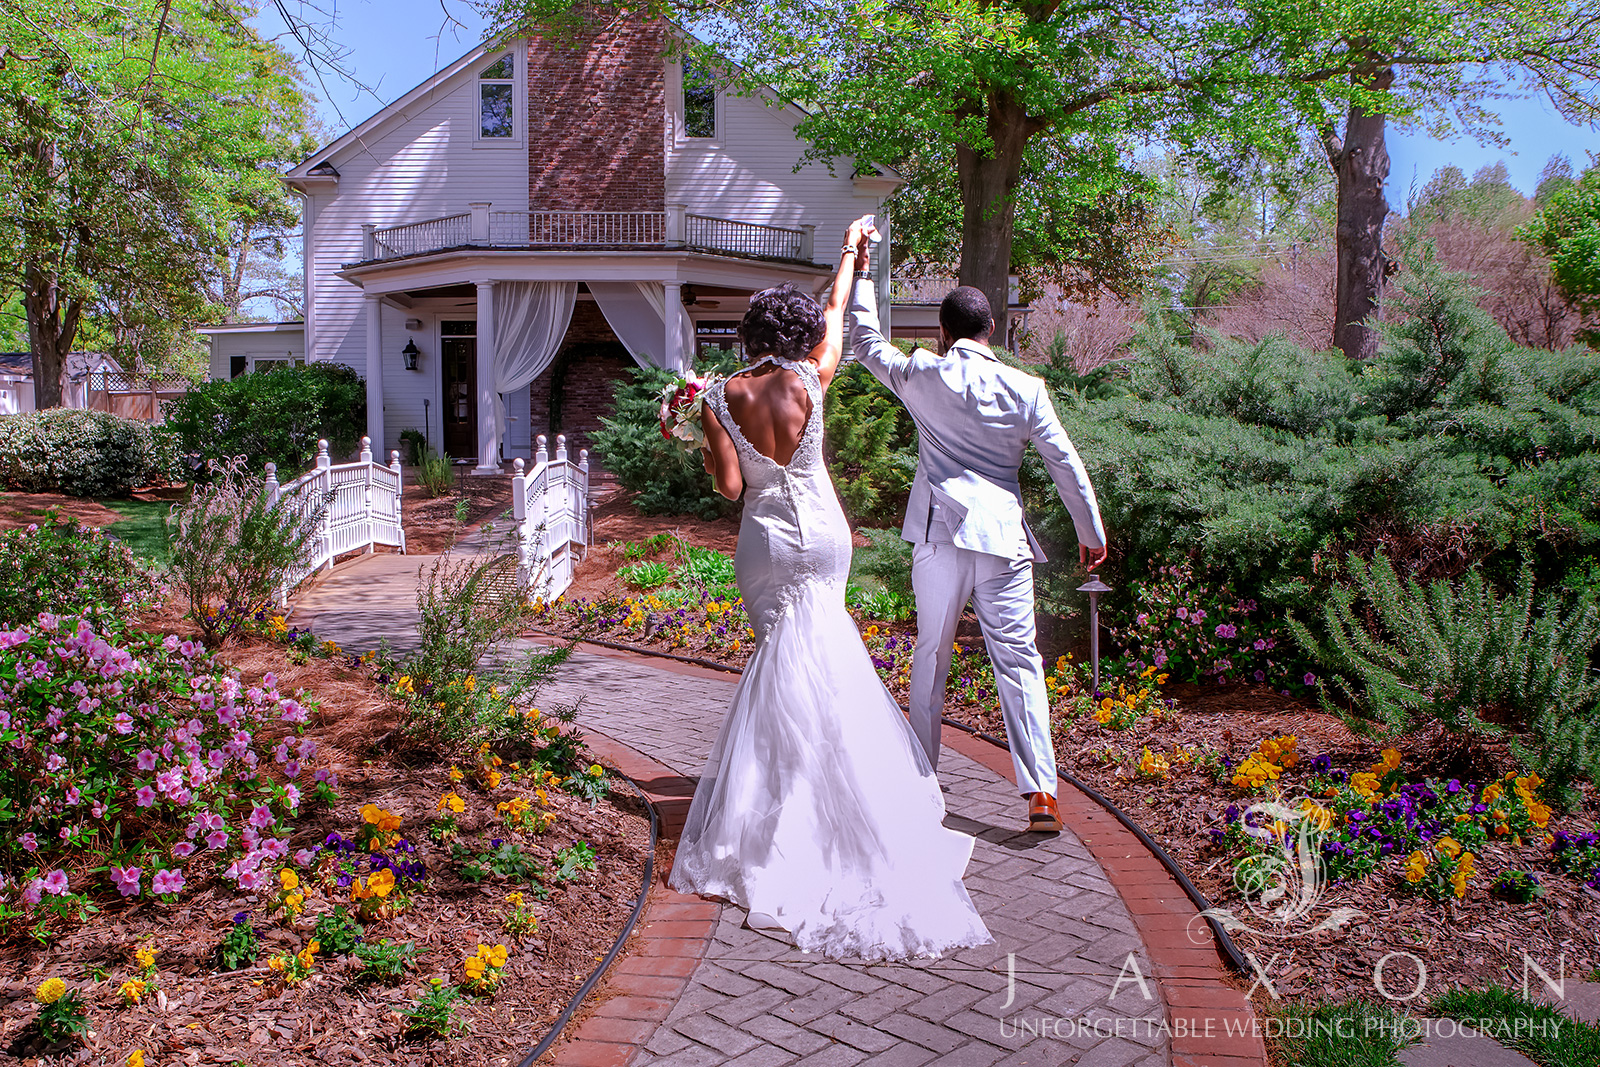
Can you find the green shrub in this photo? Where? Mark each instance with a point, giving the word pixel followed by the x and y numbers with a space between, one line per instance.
pixel 645 574
pixel 1264 464
pixel 666 479
pixel 66 569
pixel 233 551
pixel 1407 656
pixel 82 453
pixel 271 416
pixel 871 446
pixel 435 474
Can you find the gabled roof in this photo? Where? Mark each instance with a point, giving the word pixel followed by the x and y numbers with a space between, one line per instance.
pixel 316 165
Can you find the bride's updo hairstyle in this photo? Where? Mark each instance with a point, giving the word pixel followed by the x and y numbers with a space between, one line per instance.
pixel 783 322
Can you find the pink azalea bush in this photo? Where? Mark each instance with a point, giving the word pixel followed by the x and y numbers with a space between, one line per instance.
pixel 137 756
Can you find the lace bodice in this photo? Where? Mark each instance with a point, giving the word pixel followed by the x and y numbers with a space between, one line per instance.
pixel 793 536
pixel 762 472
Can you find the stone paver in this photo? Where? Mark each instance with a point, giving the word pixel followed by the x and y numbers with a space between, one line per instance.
pixel 1446 1044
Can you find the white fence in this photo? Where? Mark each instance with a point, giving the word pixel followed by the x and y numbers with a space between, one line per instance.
pixel 360 505
pixel 550 505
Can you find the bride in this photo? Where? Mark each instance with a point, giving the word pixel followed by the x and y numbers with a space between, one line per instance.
pixel 817 810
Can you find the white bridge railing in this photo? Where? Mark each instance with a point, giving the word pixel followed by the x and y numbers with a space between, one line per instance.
pixel 360 504
pixel 550 505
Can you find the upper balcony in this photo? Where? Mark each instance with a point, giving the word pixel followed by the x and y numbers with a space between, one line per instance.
pixel 673 229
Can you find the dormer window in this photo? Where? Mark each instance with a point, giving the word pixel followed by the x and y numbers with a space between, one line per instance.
pixel 496 98
pixel 699 103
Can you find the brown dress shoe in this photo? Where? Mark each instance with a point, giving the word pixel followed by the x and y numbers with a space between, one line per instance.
pixel 1043 816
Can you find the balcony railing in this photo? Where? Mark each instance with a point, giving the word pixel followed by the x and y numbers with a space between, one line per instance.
pixel 671 229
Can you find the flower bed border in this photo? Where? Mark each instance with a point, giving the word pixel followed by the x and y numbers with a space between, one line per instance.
pixel 616 948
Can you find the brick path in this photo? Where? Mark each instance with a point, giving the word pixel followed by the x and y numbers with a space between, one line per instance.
pixel 697 988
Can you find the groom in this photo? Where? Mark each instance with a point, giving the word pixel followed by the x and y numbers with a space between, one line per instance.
pixel 975 416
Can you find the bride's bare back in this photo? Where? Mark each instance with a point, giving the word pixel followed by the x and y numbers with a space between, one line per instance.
pixel 771 406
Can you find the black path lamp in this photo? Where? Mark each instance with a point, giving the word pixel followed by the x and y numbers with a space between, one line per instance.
pixel 1094 587
pixel 409 355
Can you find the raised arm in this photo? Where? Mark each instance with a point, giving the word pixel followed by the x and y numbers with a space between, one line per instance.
pixel 1072 480
pixel 831 350
pixel 867 343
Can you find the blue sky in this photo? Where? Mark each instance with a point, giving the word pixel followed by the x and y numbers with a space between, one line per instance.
pixel 394 44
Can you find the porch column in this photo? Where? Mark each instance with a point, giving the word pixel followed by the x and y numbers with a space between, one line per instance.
pixel 488 443
pixel 673 356
pixel 375 369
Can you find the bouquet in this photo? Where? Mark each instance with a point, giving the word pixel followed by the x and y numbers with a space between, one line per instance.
pixel 682 404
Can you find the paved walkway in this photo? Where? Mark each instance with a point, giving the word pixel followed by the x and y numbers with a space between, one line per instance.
pixel 1068 980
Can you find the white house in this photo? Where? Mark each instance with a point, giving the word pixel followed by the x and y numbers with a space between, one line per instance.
pixel 494 248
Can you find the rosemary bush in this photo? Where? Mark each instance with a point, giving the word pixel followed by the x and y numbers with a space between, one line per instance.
pixel 1405 655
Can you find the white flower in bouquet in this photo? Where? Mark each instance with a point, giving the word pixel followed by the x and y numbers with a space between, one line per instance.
pixel 682 408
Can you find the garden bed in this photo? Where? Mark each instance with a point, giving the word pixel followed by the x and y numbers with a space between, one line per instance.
pixel 444 849
pixel 1191 741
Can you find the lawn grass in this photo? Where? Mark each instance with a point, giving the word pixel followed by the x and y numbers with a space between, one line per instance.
pixel 143 527
pixel 1538 1031
pixel 1352 1033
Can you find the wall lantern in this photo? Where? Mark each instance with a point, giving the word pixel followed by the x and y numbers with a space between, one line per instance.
pixel 409 355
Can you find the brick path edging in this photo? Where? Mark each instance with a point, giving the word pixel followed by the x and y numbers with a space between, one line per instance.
pixel 1213 1023
pixel 665 947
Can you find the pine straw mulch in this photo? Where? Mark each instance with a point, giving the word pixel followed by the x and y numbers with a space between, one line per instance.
pixel 430 521
pixel 200 1016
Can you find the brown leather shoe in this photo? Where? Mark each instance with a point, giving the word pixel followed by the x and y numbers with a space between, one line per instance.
pixel 1043 816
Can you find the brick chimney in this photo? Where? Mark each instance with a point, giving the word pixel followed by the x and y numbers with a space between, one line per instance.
pixel 597 119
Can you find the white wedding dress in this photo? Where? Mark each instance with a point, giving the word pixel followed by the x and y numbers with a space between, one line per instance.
pixel 817 810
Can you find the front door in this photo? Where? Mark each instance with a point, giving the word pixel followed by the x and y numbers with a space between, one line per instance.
pixel 458 362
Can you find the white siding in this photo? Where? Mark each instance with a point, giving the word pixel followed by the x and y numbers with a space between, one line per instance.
pixel 427 164
pixel 265 344
pixel 746 172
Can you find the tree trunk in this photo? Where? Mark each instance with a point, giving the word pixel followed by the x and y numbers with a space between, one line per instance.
pixel 988 206
pixel 51 332
pixel 1362 165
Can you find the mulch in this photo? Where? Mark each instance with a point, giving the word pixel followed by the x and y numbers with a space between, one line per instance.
pixel 199 1016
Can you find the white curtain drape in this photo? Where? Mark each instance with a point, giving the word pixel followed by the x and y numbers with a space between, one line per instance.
pixel 637 314
pixel 530 321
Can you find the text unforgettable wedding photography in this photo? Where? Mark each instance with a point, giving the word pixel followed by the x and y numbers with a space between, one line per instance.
pixel 1003 535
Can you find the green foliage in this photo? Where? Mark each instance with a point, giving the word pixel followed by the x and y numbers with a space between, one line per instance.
pixel 1407 656
pixel 573 861
pixel 338 933
pixel 1355 1033
pixel 64 1018
pixel 645 575
pixel 871 445
pixel 505 860
pixel 66 569
pixel 141 139
pixel 668 480
pixel 433 1015
pixel 81 453
pixel 1264 464
pixel 1568 231
pixel 436 474
pixel 383 960
pixel 1538 1031
pixel 880 577
pixel 274 416
pixel 240 946
pixel 706 571
pixel 415 445
pixel 233 550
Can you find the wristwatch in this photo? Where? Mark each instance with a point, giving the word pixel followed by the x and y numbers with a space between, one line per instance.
pixel 863 274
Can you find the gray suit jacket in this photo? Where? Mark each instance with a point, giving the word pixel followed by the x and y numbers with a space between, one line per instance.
pixel 975 417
